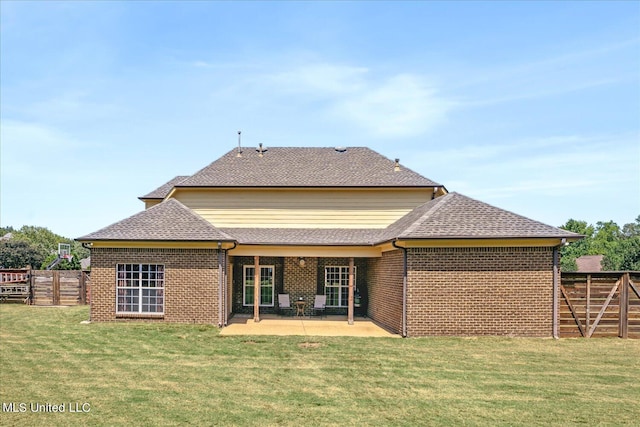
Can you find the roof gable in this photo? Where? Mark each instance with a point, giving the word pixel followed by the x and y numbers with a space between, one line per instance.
pixel 166 221
pixel 164 190
pixel 455 216
pixel 305 167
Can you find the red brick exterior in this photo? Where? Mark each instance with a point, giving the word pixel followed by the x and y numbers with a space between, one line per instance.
pixel 385 276
pixel 450 291
pixel 480 291
pixel 301 281
pixel 191 282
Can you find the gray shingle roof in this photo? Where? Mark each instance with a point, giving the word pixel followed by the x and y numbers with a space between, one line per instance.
pixel 166 221
pixel 304 236
pixel 452 216
pixel 456 216
pixel 162 191
pixel 305 167
pixel 589 263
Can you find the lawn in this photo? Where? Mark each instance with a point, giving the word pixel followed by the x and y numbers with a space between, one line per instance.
pixel 158 374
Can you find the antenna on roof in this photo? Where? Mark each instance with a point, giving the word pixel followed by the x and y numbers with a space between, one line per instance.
pixel 239 144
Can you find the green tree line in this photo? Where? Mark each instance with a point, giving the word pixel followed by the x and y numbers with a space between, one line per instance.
pixel 619 245
pixel 37 247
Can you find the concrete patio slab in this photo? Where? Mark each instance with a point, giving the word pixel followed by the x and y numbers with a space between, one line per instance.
pixel 332 326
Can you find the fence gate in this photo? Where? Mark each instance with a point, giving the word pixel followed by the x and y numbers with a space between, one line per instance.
pixel 59 287
pixel 603 304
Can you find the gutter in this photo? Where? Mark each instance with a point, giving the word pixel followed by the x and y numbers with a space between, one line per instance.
pixel 404 286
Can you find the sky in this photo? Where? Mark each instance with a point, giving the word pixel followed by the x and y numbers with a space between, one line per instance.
pixel 533 107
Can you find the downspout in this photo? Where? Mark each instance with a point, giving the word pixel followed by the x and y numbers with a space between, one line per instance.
pixel 556 288
pixel 225 282
pixel 220 284
pixel 404 287
pixel 86 245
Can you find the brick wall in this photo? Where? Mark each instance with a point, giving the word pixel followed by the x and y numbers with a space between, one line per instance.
pixel 361 265
pixel 301 281
pixel 480 291
pixel 191 282
pixel 385 277
pixel 238 264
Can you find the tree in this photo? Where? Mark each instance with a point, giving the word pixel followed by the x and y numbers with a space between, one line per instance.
pixel 45 243
pixel 5 230
pixel 65 264
pixel 620 246
pixel 625 253
pixel 19 254
pixel 569 254
pixel 45 240
pixel 632 229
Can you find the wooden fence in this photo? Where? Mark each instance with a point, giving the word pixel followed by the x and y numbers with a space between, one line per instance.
pixel 45 287
pixel 602 304
pixel 59 287
pixel 14 285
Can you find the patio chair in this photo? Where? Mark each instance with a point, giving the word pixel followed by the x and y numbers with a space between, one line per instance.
pixel 319 304
pixel 284 304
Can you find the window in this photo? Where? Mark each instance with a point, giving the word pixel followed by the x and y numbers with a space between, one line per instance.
pixel 140 288
pixel 336 285
pixel 266 285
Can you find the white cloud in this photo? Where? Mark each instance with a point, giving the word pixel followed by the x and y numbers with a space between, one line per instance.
pixel 26 147
pixel 575 70
pixel 400 105
pixel 322 80
pixel 556 165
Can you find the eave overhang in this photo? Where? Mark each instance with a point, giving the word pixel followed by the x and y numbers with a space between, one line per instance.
pixel 462 242
pixel 173 244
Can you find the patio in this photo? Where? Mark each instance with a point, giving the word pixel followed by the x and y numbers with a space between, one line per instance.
pixel 330 326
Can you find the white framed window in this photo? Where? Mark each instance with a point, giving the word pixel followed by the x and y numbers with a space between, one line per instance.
pixel 140 288
pixel 266 285
pixel 336 285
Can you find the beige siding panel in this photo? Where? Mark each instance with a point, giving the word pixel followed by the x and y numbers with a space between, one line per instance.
pixel 304 208
pixel 150 203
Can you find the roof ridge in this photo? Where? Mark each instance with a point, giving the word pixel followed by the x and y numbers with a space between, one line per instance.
pixel 519 215
pixel 306 167
pixel 441 201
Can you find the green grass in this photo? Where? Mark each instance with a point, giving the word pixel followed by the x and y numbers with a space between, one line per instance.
pixel 159 374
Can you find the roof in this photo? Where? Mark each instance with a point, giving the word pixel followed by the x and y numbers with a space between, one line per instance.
pixel 589 263
pixel 305 236
pixel 167 221
pixel 455 216
pixel 164 190
pixel 305 167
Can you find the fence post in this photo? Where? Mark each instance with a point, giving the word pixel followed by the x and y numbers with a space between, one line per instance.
pixel 83 289
pixel 55 288
pixel 588 303
pixel 32 283
pixel 623 324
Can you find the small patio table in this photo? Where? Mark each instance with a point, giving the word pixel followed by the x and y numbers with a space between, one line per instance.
pixel 300 306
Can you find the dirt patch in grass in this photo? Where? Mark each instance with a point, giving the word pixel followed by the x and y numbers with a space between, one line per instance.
pixel 310 345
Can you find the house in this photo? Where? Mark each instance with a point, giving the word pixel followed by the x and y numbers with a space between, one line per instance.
pixel 348 223
pixel 589 263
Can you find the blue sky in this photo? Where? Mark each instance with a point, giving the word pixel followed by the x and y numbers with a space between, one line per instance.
pixel 530 106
